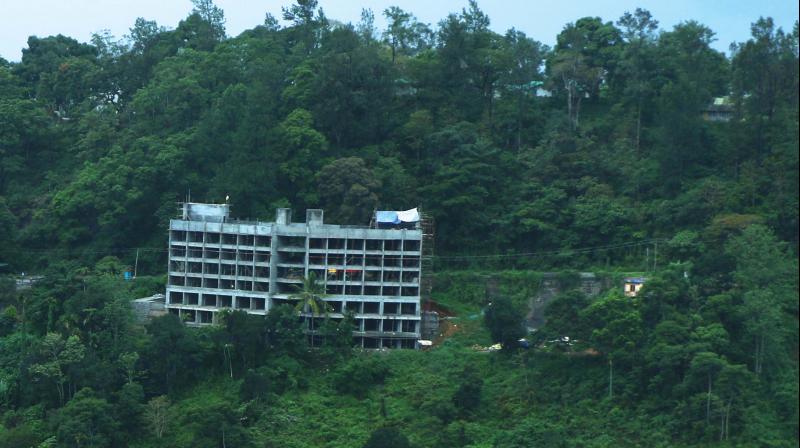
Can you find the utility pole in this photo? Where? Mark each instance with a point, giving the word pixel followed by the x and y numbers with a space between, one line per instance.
pixel 655 256
pixel 647 257
pixel 136 263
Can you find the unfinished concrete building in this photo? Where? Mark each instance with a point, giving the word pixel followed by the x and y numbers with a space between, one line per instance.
pixel 217 263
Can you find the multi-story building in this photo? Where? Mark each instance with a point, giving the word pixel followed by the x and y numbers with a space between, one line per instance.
pixel 216 263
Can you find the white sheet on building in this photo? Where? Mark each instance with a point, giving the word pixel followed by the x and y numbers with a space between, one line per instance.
pixel 408 215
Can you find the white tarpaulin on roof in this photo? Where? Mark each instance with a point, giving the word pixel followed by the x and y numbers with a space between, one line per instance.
pixel 408 215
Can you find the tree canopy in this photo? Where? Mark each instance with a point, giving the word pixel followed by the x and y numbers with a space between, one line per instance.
pixel 626 147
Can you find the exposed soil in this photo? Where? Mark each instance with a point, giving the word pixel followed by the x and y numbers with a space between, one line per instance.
pixel 432 305
pixel 587 352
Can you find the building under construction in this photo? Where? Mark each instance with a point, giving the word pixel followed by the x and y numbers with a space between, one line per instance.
pixel 375 271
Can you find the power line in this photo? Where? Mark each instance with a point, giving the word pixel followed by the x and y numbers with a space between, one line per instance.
pixel 553 252
pixel 579 250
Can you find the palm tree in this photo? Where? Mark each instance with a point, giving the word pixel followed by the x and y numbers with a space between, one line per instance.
pixel 310 300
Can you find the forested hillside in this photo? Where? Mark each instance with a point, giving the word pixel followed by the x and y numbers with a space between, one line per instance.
pixel 586 155
pixel 100 140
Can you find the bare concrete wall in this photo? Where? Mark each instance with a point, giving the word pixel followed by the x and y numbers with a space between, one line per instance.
pixel 552 285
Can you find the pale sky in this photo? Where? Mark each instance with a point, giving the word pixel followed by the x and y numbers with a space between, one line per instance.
pixel 539 19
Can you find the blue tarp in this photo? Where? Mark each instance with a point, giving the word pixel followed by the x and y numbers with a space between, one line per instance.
pixel 635 280
pixel 387 217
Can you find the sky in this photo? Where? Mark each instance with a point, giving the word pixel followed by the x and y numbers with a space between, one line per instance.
pixel 540 19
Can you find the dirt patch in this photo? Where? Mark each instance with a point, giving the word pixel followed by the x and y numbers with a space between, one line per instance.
pixel 587 352
pixel 432 305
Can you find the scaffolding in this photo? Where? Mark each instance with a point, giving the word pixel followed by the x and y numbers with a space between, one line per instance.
pixel 426 282
pixel 427 225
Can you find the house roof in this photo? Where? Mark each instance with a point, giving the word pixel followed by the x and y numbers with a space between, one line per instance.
pixel 635 280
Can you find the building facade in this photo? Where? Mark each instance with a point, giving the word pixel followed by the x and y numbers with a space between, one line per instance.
pixel 216 264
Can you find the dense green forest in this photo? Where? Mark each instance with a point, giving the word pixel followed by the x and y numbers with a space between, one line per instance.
pixel 595 154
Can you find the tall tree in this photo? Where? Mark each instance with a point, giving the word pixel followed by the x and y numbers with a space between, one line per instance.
pixel 504 321
pixel 767 280
pixel 309 23
pixel 404 35
pixel 58 357
pixel 204 28
pixel 694 74
pixel 522 78
pixel 87 421
pixel 616 331
pixel 347 189
pixel 584 54
pixel 637 65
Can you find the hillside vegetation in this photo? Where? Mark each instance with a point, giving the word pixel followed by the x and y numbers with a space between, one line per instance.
pixel 596 154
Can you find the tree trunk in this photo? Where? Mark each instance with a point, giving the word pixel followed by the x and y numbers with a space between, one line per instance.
pixel 519 123
pixel 569 109
pixel 728 419
pixel 311 327
pixel 755 357
pixel 638 128
pixel 568 87
pixel 489 89
pixel 708 400
pixel 757 366
pixel 60 388
pixel 230 363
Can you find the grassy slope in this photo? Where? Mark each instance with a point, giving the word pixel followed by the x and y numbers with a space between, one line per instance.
pixel 547 398
pixel 545 402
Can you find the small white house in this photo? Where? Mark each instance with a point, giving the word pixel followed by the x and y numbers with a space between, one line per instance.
pixel 633 285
